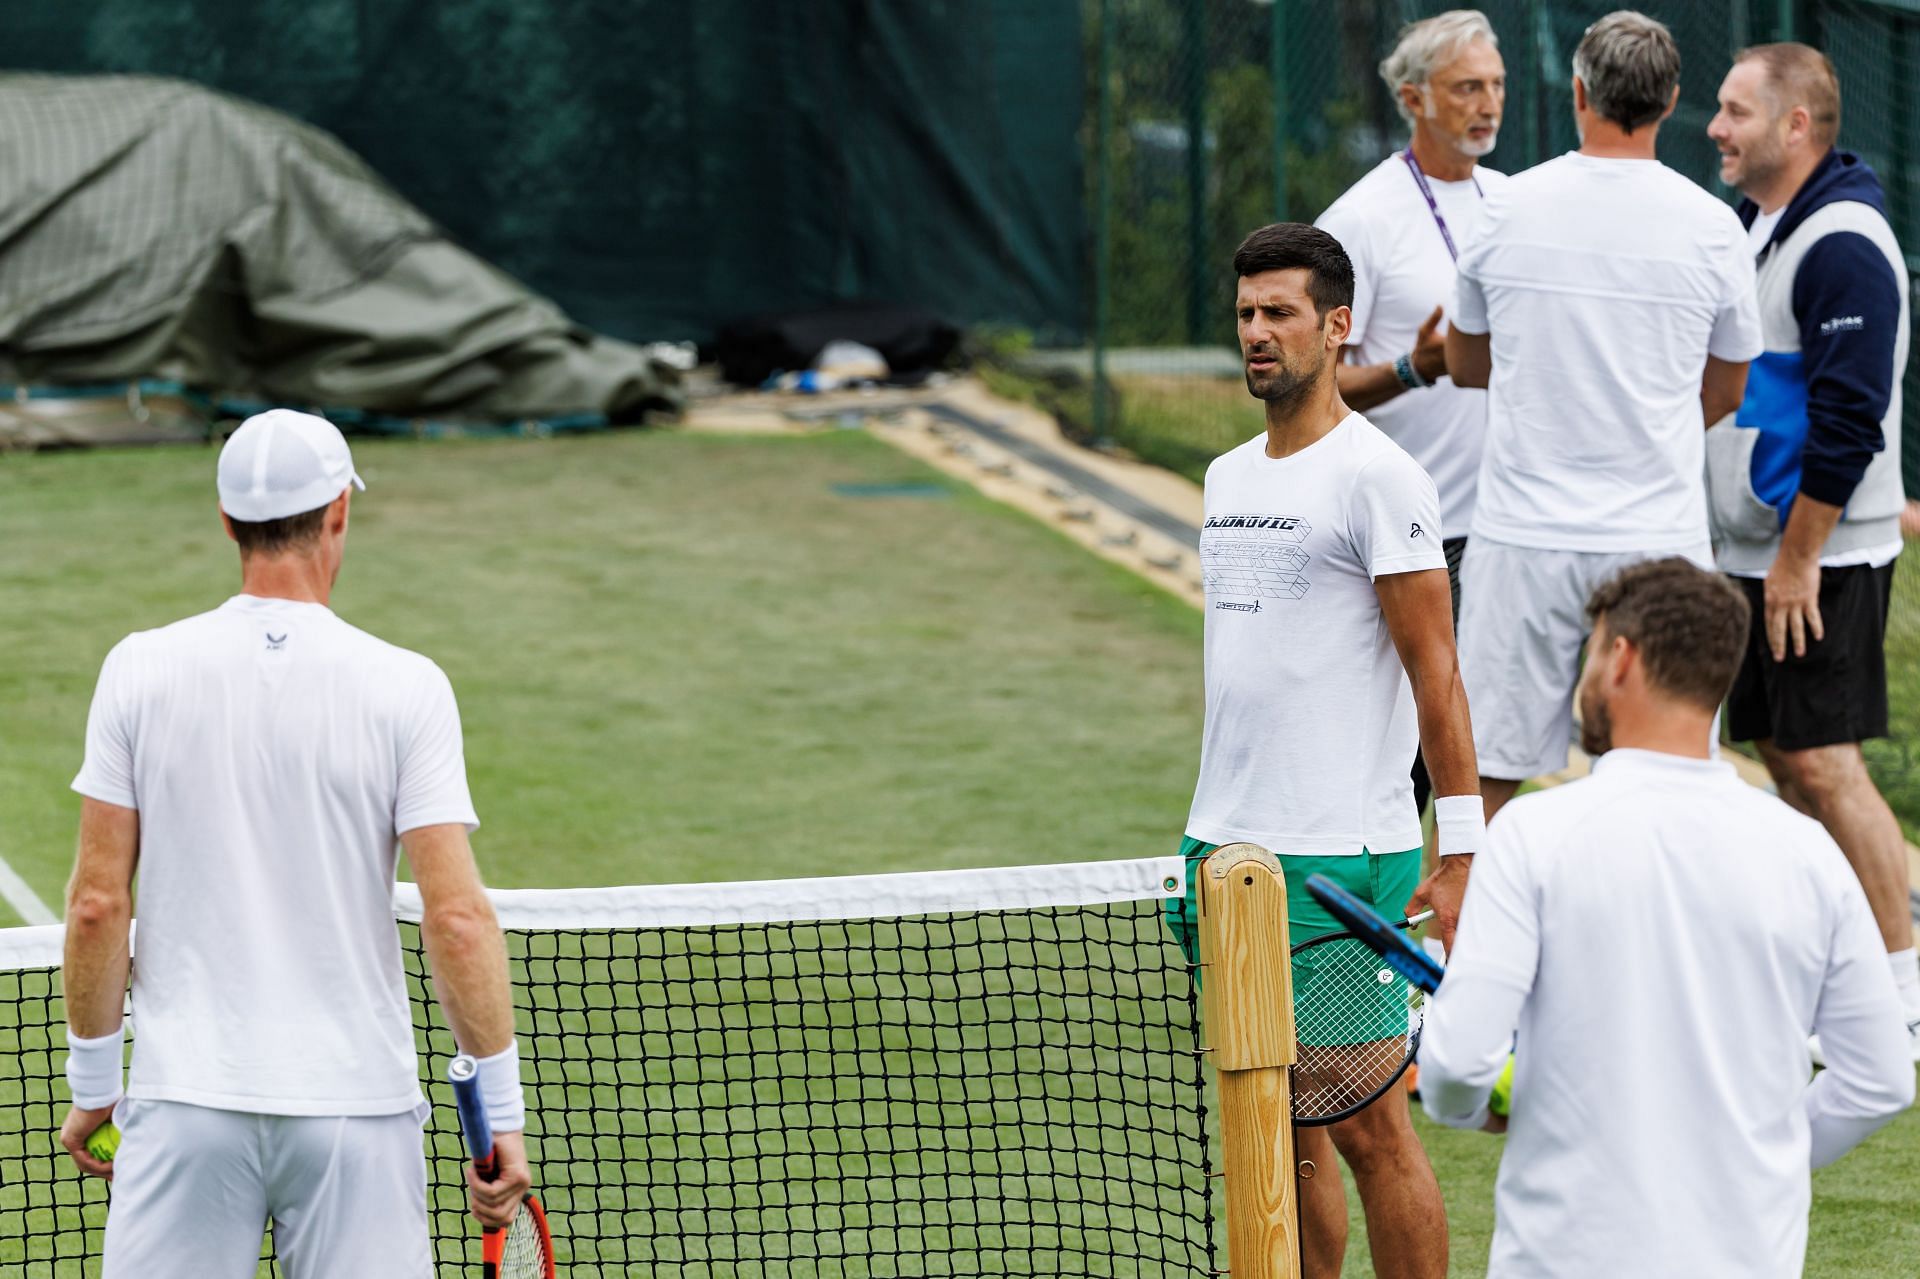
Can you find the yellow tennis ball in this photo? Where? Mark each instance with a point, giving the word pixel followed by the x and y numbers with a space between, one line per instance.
pixel 1502 1100
pixel 105 1142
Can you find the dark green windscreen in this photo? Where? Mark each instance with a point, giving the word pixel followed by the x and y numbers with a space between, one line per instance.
pixel 659 166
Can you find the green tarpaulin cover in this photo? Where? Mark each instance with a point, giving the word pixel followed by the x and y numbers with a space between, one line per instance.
pixel 153 228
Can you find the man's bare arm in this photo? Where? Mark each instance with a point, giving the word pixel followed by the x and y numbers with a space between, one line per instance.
pixel 1469 357
pixel 1366 386
pixel 1418 608
pixel 462 937
pixel 99 910
pixel 1722 387
pixel 468 958
pixel 1791 593
pixel 94 969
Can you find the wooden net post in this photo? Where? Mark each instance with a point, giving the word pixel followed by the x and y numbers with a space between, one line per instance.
pixel 1246 992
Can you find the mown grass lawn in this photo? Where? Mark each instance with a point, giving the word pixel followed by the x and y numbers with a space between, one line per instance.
pixel 677 657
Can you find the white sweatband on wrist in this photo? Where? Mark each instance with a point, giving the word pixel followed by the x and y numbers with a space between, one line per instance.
pixel 94 1068
pixel 500 1090
pixel 1461 823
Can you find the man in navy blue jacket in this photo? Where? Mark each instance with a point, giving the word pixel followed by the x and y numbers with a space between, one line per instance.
pixel 1804 480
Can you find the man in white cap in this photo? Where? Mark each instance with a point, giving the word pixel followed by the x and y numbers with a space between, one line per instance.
pixel 256 765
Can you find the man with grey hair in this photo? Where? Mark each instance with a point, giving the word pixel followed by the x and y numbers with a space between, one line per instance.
pixel 1608 306
pixel 1403 225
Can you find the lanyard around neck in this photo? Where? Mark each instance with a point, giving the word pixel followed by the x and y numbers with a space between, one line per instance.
pixel 1433 205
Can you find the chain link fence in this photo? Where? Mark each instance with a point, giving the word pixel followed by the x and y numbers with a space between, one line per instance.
pixel 1206 118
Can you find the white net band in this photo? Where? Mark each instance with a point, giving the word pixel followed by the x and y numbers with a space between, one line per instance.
pixel 766 901
pixel 832 897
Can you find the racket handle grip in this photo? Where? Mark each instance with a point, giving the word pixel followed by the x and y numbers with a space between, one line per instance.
pixel 464 1074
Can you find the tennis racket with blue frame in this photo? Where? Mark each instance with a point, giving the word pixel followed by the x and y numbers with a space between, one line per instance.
pixel 1401 955
pixel 524 1250
pixel 1378 934
pixel 1356 1020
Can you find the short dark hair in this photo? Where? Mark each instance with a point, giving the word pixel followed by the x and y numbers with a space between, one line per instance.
pixel 1689 624
pixel 270 537
pixel 1631 66
pixel 1799 75
pixel 1296 246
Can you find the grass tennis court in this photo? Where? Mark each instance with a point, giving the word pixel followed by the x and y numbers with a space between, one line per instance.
pixel 677 657
pixel 687 658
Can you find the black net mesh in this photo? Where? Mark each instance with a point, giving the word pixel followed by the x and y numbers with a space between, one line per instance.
pixel 46 1209
pixel 1000 1093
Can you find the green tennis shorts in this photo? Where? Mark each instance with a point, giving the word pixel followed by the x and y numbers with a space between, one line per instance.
pixel 1384 880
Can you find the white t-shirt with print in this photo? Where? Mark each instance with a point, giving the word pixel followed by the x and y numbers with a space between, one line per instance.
pixel 1605 284
pixel 274 754
pixel 1310 729
pixel 1402 269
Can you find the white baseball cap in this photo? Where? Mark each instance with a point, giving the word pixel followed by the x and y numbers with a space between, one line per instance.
pixel 282 463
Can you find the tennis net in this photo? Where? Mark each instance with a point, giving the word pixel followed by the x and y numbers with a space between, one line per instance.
pixel 983 1072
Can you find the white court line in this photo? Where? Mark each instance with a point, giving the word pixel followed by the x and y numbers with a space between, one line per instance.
pixel 20 895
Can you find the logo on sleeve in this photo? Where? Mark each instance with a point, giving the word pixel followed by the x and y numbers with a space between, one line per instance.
pixel 1417 530
pixel 276 642
pixel 1842 324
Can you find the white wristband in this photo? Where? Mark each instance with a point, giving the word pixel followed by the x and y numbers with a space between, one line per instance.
pixel 500 1090
pixel 94 1068
pixel 1461 822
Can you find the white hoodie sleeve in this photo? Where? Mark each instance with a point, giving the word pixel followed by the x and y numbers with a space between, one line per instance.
pixel 1862 1027
pixel 1496 951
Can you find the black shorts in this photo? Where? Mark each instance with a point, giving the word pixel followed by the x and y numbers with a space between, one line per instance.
pixel 1838 692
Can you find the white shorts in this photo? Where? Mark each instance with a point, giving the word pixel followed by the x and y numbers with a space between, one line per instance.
pixel 1523 618
pixel 193 1190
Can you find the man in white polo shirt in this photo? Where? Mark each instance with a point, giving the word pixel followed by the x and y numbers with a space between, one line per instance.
pixel 255 766
pixel 1608 305
pixel 1402 226
pixel 1660 1118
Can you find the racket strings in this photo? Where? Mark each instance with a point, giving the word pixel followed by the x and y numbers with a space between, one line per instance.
pixel 524 1255
pixel 1356 1023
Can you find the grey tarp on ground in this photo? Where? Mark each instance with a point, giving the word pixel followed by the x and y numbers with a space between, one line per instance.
pixel 152 228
